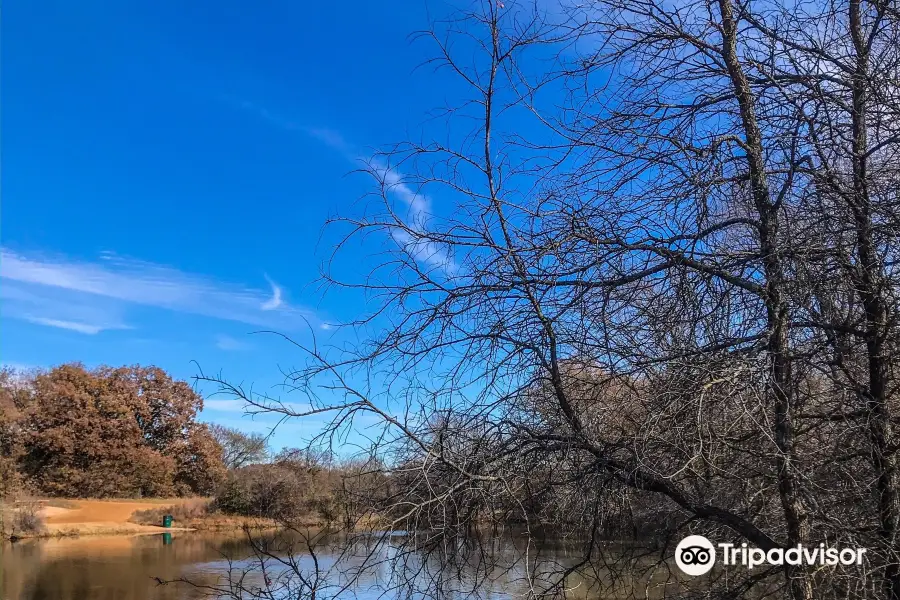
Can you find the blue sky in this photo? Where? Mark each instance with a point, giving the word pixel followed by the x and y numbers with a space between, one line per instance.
pixel 168 167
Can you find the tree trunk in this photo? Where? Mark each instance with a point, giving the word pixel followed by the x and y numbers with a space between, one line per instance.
pixel 779 387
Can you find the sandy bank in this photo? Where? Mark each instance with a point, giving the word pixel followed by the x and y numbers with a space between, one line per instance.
pixel 104 517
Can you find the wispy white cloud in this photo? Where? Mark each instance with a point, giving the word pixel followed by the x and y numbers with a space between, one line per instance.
pixel 271 117
pixel 424 251
pixel 418 205
pixel 332 139
pixel 74 311
pixel 289 433
pixel 419 210
pixel 276 300
pixel 90 297
pixel 224 405
pixel 70 325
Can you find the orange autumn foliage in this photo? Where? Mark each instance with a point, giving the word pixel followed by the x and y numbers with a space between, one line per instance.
pixel 107 432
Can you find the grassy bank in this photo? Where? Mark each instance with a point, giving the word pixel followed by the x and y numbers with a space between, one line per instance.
pixel 34 518
pixel 202 516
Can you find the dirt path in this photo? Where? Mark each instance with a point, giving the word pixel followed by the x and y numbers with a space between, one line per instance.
pixel 104 516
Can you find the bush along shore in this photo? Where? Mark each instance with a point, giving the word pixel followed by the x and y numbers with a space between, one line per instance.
pixel 42 517
pixel 87 451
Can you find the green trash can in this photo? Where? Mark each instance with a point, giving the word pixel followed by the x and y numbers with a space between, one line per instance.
pixel 167 520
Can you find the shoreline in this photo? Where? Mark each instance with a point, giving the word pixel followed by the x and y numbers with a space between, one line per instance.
pixel 69 518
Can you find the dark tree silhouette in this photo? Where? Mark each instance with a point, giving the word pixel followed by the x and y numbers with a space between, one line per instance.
pixel 660 290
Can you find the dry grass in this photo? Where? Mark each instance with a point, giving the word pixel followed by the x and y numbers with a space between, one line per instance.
pixel 109 512
pixel 79 517
pixel 181 513
pixel 21 519
pixel 76 517
pixel 200 516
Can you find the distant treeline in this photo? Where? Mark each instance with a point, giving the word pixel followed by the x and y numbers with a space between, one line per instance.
pixel 126 432
pixel 133 432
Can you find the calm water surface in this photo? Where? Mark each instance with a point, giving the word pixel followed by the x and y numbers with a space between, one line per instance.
pixel 120 567
pixel 125 568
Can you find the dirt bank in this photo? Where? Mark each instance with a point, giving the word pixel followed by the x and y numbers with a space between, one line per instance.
pixel 77 517
pixel 93 517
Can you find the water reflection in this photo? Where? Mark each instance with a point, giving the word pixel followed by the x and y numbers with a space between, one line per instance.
pixel 130 568
pixel 121 568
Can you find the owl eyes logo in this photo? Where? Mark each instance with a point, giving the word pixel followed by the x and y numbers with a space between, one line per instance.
pixel 695 555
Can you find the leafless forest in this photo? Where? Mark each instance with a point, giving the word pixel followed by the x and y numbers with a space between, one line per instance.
pixel 638 279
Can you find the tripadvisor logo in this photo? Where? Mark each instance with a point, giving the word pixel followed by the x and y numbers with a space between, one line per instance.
pixel 696 555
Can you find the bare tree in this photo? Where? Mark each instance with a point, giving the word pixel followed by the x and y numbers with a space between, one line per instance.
pixel 240 449
pixel 665 294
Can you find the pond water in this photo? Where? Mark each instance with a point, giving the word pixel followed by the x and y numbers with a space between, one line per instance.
pixel 127 568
